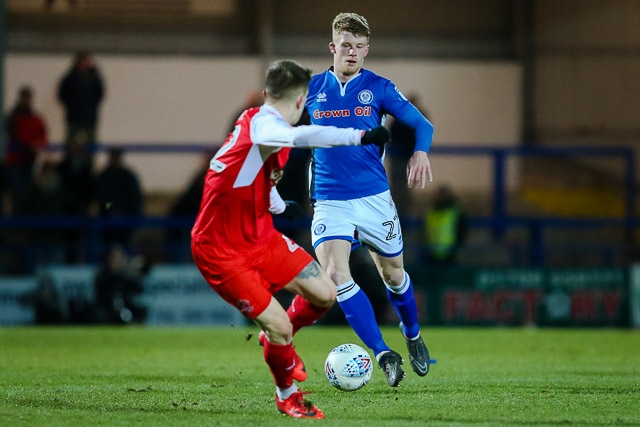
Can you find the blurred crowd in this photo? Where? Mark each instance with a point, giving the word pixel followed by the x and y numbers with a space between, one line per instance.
pixel 39 183
pixel 58 190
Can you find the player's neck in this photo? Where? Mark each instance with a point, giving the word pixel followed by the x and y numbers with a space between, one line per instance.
pixel 286 110
pixel 342 78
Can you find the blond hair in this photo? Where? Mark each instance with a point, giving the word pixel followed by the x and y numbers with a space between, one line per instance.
pixel 350 23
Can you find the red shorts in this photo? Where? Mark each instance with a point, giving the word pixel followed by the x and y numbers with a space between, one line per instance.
pixel 248 279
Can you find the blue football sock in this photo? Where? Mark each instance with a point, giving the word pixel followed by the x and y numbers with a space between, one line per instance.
pixel 359 313
pixel 403 300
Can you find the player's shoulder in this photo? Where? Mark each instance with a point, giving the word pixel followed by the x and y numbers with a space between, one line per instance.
pixel 318 79
pixel 249 114
pixel 370 75
pixel 264 114
pixel 375 82
pixel 319 84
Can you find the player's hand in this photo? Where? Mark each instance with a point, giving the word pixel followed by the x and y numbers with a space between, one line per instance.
pixel 292 211
pixel 418 169
pixel 379 135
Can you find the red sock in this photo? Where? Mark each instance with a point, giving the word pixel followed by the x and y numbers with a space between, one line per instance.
pixel 302 313
pixel 280 359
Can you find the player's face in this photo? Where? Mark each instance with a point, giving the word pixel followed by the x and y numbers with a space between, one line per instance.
pixel 349 52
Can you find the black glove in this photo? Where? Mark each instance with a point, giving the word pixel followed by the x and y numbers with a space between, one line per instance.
pixel 292 211
pixel 379 135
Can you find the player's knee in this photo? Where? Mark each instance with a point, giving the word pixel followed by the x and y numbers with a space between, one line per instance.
pixel 393 276
pixel 331 299
pixel 339 277
pixel 280 333
pixel 328 294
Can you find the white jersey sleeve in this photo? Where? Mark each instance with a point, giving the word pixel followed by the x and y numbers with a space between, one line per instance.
pixel 269 128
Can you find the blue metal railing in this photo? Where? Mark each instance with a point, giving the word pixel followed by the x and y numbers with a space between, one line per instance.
pixel 498 221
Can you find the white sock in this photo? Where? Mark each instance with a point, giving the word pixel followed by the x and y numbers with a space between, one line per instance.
pixel 286 392
pixel 379 355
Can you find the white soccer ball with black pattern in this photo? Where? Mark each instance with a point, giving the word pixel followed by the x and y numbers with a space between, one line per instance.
pixel 348 367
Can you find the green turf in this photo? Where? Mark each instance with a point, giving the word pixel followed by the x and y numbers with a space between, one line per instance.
pixel 93 376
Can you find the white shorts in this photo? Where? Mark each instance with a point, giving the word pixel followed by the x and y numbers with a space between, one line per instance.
pixel 371 220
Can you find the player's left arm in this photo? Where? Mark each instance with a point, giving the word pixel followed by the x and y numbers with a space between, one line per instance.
pixel 288 209
pixel 419 166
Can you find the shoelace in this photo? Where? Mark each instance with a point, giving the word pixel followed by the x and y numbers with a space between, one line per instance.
pixel 300 397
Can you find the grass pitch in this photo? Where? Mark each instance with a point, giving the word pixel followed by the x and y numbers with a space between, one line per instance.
pixel 144 376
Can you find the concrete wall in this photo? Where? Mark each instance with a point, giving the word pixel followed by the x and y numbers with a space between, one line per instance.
pixel 187 100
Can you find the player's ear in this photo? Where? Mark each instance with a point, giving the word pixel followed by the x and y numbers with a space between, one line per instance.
pixel 332 47
pixel 366 51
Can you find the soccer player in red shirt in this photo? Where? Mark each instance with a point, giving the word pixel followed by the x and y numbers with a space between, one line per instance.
pixel 234 243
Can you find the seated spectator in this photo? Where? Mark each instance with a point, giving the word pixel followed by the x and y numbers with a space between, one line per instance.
pixel 77 177
pixel 117 286
pixel 119 195
pixel 46 303
pixel 46 197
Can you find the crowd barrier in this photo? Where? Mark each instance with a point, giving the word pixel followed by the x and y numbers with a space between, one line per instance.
pixel 533 251
pixel 172 295
pixel 176 294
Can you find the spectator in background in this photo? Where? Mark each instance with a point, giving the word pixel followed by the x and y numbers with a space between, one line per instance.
pixel 444 227
pixel 81 91
pixel 403 142
pixel 186 206
pixel 117 286
pixel 46 197
pixel 46 303
pixel 77 177
pixel 119 195
pixel 27 137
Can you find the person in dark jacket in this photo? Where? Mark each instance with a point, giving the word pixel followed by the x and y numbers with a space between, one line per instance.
pixel 46 197
pixel 118 286
pixel 78 178
pixel 81 91
pixel 119 195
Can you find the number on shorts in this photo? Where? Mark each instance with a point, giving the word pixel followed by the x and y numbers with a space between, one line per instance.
pixel 392 226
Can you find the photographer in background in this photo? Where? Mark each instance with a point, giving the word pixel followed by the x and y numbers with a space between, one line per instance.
pixel 118 284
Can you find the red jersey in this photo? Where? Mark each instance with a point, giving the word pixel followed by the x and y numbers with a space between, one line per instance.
pixel 235 202
pixel 234 211
pixel 234 243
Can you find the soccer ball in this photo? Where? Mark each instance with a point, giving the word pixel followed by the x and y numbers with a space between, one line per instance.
pixel 348 367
